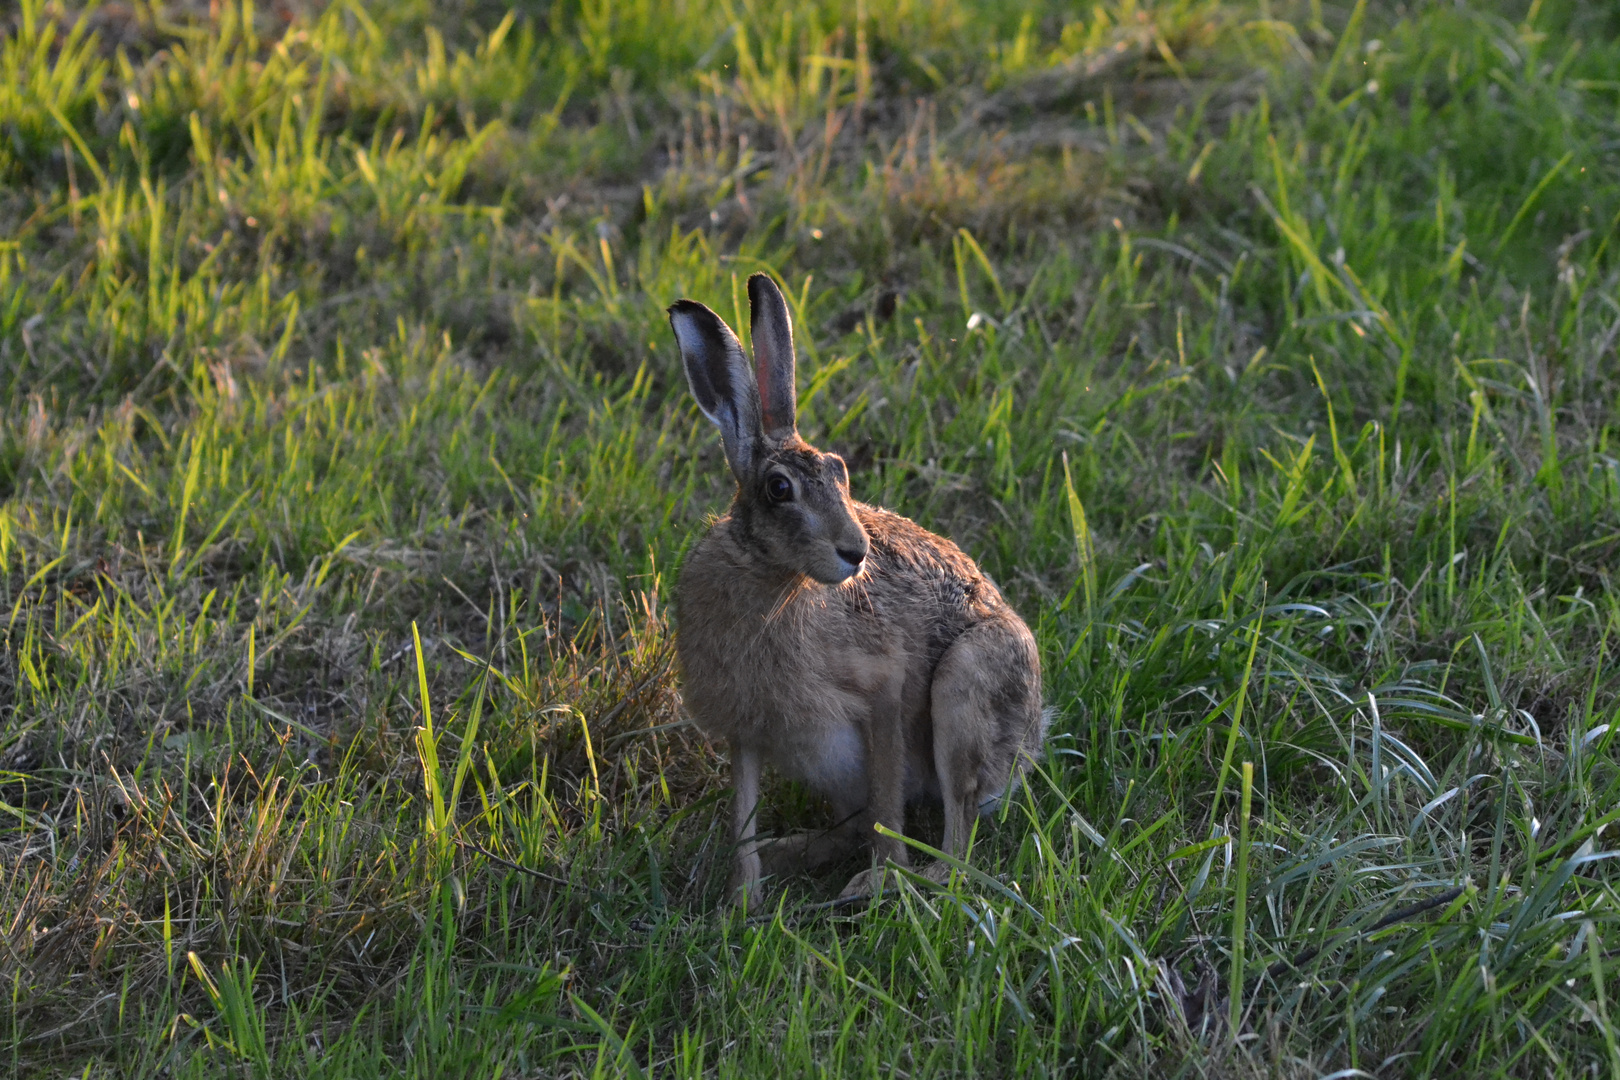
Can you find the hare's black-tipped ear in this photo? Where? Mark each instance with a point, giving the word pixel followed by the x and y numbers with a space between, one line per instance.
pixel 772 332
pixel 719 377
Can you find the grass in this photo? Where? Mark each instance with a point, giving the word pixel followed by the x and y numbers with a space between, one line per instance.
pixel 1265 353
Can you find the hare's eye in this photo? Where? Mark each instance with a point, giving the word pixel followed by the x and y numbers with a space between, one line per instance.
pixel 779 488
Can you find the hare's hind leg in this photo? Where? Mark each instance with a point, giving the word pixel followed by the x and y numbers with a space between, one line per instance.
pixel 986 703
pixel 812 849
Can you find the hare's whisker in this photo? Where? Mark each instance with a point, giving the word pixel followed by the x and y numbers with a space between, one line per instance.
pixel 800 584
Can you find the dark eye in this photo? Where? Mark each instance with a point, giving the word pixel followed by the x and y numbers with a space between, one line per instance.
pixel 779 488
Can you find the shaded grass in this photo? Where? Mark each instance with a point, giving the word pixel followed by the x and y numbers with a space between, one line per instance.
pixel 1264 355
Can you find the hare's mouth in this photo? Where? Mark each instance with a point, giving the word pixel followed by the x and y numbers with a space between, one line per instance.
pixel 837 572
pixel 852 579
pixel 852 565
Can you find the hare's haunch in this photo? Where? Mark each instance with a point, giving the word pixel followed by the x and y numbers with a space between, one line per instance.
pixel 847 646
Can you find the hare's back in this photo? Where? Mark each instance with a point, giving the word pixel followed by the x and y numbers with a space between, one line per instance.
pixel 924 575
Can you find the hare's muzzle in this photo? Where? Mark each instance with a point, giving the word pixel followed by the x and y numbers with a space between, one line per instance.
pixel 854 557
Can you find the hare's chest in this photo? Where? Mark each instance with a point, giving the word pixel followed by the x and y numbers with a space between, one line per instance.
pixel 797 680
pixel 810 721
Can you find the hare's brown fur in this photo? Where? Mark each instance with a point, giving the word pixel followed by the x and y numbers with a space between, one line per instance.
pixel 845 645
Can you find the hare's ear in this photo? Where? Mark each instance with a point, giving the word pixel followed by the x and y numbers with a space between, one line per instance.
pixel 772 332
pixel 718 373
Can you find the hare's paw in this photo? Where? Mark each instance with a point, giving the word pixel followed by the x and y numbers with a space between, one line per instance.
pixel 939 872
pixel 746 896
pixel 783 854
pixel 747 888
pixel 805 851
pixel 868 882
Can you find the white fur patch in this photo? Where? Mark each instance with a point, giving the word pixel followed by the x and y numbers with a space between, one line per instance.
pixel 835 762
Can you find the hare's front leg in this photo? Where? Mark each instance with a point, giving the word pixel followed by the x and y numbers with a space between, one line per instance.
pixel 745 769
pixel 886 792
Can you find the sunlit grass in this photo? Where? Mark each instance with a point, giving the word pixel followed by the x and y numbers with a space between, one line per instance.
pixel 1265 355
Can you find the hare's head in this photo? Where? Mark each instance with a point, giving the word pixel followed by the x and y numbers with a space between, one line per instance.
pixel 792 508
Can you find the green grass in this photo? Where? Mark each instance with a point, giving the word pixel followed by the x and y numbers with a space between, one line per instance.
pixel 1265 353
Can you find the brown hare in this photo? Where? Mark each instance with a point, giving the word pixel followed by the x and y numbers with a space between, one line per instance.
pixel 845 645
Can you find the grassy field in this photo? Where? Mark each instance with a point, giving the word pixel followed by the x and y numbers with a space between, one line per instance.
pixel 1265 353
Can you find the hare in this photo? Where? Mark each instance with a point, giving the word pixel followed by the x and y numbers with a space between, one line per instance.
pixel 843 644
